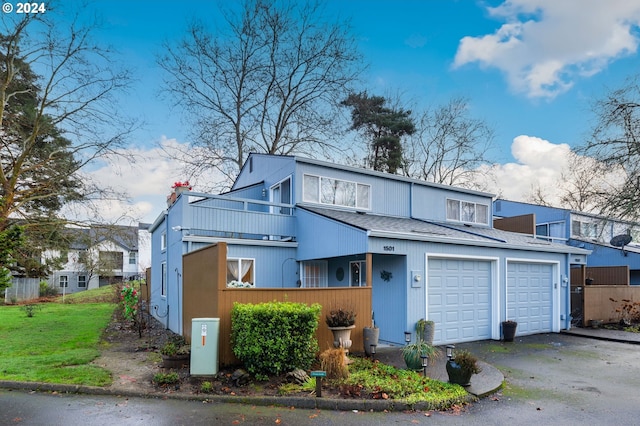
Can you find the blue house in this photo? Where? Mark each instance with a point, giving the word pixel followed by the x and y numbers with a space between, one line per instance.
pixel 592 232
pixel 431 249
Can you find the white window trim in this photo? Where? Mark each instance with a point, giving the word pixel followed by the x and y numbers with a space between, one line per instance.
pixel 319 194
pixel 163 241
pixel 240 259
pixel 85 281
pixel 475 210
pixel 363 267
pixel 163 279
pixel 66 281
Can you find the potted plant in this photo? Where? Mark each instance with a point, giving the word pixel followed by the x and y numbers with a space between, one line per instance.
pixel 412 353
pixel 509 330
pixel 370 336
pixel 341 322
pixel 426 329
pixel 175 353
pixel 461 367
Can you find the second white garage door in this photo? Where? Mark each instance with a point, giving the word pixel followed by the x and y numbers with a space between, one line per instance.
pixel 529 296
pixel 459 299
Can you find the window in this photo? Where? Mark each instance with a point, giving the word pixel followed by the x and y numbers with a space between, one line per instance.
pixel 552 231
pixel 281 193
pixel 240 270
pixel 111 259
pixel 163 241
pixel 163 277
pixel 314 274
pixel 358 274
pixel 336 192
pixel 64 281
pixel 584 229
pixel 82 256
pixel 82 281
pixel 133 258
pixel 467 212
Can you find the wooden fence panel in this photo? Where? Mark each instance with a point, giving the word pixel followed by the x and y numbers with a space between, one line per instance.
pixel 599 306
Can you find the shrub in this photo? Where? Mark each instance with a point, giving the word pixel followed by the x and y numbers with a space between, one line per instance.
pixel 47 290
pixel 333 362
pixel 272 338
pixel 166 378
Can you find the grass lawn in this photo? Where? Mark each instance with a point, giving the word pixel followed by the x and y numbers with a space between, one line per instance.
pixel 56 345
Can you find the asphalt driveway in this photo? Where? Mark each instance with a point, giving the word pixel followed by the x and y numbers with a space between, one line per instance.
pixel 550 379
pixel 558 378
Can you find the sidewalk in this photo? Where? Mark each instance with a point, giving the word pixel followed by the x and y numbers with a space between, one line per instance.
pixel 605 334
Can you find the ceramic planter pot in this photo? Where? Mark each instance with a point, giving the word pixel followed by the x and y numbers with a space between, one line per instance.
pixel 342 336
pixel 509 330
pixel 457 375
pixel 370 337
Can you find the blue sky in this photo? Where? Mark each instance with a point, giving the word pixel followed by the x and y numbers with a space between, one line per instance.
pixel 529 68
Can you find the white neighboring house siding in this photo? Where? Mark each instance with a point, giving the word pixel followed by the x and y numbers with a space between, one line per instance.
pixel 73 269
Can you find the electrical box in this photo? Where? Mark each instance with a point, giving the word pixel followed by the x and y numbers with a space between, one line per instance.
pixel 204 346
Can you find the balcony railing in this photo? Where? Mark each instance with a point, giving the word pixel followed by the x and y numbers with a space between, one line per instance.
pixel 228 217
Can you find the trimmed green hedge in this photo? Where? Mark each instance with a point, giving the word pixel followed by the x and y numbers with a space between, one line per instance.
pixel 276 337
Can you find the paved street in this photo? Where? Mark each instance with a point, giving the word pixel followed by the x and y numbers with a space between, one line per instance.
pixel 555 378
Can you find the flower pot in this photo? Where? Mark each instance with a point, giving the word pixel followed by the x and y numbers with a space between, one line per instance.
pixel 458 375
pixel 413 360
pixel 509 330
pixel 342 336
pixel 429 331
pixel 370 337
pixel 175 361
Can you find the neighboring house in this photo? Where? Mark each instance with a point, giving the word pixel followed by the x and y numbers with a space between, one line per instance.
pixel 99 256
pixel 432 250
pixel 583 230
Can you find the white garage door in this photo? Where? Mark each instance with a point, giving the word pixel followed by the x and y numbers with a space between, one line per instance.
pixel 459 299
pixel 529 296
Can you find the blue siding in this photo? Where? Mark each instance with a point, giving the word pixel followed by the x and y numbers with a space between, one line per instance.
pixel 274 266
pixel 263 167
pixel 431 203
pixel 319 237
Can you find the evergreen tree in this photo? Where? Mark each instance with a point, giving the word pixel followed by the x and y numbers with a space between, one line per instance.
pixel 384 126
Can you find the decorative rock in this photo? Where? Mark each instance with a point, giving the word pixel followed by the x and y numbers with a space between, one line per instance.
pixel 240 377
pixel 297 376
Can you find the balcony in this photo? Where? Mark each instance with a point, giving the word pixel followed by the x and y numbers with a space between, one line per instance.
pixel 237 218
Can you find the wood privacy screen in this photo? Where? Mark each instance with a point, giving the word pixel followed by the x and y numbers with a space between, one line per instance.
pixel 205 295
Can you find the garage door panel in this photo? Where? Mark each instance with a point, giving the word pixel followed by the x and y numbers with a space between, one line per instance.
pixel 529 296
pixel 464 303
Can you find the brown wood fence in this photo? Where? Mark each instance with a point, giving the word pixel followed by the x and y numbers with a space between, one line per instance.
pixel 205 295
pixel 604 302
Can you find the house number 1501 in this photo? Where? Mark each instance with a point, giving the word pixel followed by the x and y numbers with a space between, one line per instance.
pixel 388 248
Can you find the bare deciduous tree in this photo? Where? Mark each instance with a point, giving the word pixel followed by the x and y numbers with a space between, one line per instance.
pixel 615 143
pixel 268 80
pixel 449 146
pixel 57 115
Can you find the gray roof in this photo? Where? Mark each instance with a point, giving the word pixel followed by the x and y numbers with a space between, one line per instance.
pixel 421 230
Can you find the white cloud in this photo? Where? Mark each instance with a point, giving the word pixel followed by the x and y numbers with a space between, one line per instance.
pixel 545 45
pixel 145 175
pixel 539 162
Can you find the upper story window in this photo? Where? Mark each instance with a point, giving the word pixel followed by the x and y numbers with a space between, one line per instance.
pixel 551 231
pixel 584 229
pixel 467 212
pixel 336 192
pixel 163 241
pixel 110 259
